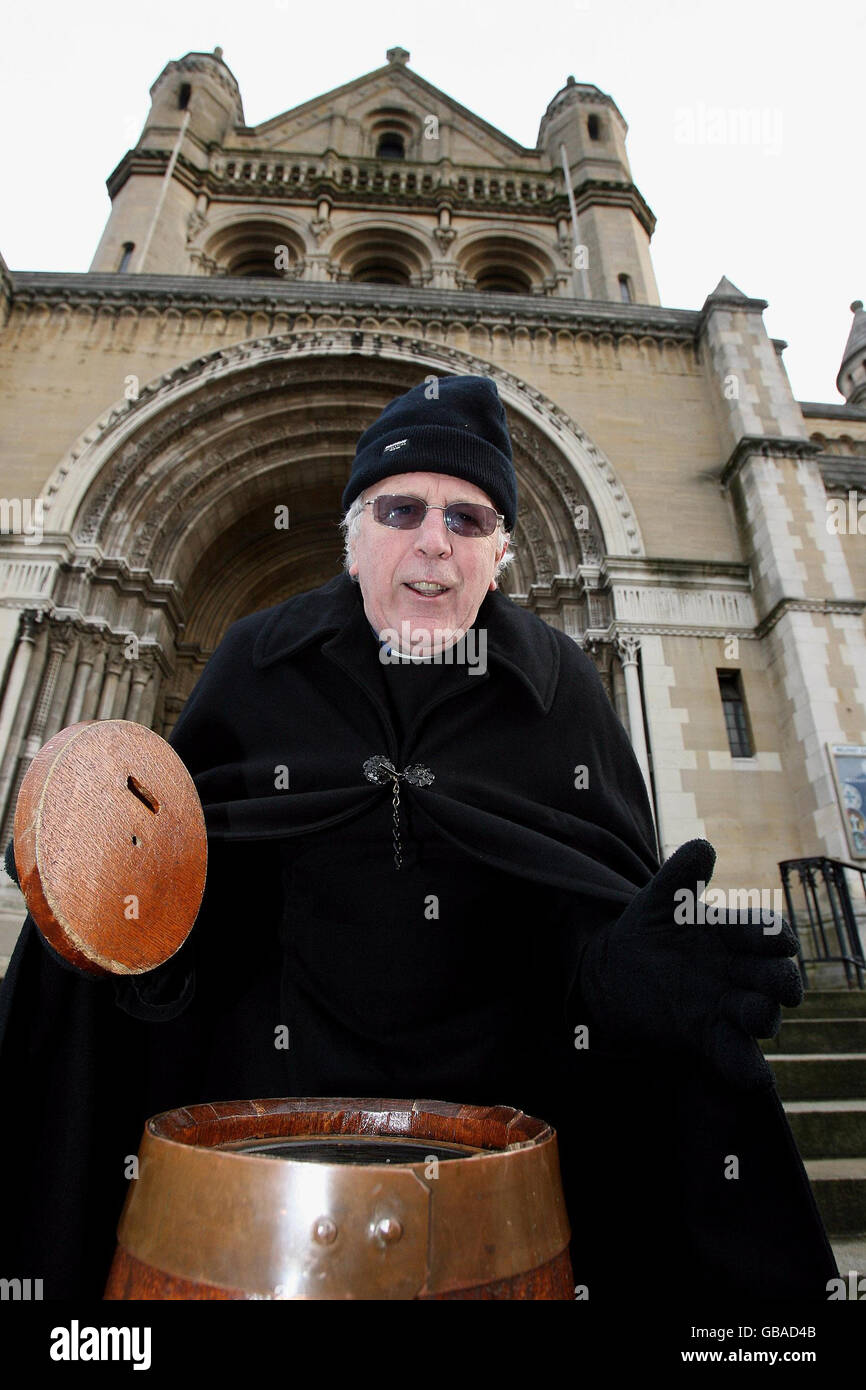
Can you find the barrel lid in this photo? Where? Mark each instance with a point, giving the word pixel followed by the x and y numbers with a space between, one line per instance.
pixel 110 846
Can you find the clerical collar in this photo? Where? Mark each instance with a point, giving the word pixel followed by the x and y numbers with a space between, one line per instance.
pixel 387 650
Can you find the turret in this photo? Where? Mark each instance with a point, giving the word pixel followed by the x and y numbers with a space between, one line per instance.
pixel 614 222
pixel 851 380
pixel 202 85
pixel 195 103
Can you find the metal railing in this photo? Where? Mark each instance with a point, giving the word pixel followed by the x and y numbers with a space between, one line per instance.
pixel 826 902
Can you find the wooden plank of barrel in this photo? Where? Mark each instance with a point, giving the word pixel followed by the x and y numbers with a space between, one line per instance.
pixel 344 1198
pixel 110 846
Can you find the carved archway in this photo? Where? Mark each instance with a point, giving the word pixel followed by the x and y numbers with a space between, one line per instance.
pixel 163 519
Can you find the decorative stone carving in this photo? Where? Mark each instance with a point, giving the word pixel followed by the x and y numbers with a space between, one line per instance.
pixel 443 236
pixel 600 319
pixel 195 223
pixel 600 652
pixel 529 532
pixel 627 648
pixel 320 228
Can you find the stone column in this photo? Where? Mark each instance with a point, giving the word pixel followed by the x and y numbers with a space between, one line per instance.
pixel 141 674
pixel 86 658
pixel 149 694
pixel 17 675
pixel 113 672
pixel 21 663
pixel 56 715
pixel 58 644
pixel 627 648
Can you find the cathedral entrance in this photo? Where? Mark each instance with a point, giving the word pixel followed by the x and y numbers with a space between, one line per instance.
pixel 217 493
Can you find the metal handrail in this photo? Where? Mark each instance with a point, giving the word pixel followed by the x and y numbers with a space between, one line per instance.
pixel 827 923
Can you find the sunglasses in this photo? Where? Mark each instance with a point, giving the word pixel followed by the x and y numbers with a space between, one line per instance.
pixel 407 513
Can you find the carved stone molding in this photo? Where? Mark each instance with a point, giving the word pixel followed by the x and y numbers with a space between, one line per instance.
pixel 767 446
pixel 843 473
pixel 104 291
pixel 120 447
pixel 855 607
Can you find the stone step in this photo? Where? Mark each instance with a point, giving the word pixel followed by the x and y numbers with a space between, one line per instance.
pixel 834 975
pixel 815 1076
pixel 828 1128
pixel 834 1034
pixel 839 1185
pixel 830 1003
pixel 850 1252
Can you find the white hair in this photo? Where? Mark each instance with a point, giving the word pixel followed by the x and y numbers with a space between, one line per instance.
pixel 351 524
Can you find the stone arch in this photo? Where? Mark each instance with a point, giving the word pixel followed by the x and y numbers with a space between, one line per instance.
pixel 489 252
pixel 89 470
pixel 377 120
pixel 167 505
pixel 221 246
pixel 361 242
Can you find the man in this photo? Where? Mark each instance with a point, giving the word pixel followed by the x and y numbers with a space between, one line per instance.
pixel 406 873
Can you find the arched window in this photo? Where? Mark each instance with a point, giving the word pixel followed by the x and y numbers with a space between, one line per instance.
pixel 183 96
pixel 128 248
pixel 593 125
pixel 501 280
pixel 625 290
pixel 390 146
pixel 380 272
pixel 256 267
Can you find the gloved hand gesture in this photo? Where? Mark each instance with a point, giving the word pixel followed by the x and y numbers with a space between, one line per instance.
pixel 651 980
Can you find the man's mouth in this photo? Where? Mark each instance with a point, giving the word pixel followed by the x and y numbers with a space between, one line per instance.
pixel 427 589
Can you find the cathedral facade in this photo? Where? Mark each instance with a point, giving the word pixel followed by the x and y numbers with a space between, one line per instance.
pixel 178 425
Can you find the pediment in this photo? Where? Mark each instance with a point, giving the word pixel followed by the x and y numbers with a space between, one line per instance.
pixel 307 128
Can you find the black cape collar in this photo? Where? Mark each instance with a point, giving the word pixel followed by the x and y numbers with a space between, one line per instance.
pixel 516 639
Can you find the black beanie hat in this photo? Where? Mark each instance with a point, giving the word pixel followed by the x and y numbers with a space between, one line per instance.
pixel 461 430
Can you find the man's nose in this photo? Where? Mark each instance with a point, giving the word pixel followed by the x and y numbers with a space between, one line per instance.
pixel 433 536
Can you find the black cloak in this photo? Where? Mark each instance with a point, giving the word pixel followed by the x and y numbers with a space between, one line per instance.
pixel 535 832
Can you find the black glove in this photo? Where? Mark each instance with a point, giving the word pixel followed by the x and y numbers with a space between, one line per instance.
pixel 645 980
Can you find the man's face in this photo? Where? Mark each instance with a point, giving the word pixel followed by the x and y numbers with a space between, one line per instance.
pixel 389 562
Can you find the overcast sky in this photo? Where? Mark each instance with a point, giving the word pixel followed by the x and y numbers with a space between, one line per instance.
pixel 781 212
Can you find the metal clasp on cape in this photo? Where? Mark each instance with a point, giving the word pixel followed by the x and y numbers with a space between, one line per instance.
pixel 378 769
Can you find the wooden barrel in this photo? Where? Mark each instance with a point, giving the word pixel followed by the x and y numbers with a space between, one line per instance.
pixel 335 1198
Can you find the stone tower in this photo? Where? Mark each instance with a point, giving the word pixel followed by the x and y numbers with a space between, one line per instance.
pixel 851 380
pixel 195 103
pixel 615 222
pixel 202 193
